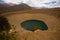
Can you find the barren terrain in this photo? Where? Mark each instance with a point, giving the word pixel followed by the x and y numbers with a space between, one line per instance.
pixel 50 17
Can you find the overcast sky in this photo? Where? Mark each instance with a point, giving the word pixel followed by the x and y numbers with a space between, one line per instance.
pixel 35 3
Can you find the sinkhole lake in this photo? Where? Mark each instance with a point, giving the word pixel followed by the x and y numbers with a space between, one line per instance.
pixel 33 25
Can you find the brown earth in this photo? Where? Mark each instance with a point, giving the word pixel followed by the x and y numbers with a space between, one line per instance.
pixel 50 17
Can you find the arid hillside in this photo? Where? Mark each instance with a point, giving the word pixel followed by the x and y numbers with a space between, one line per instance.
pixel 7 8
pixel 50 16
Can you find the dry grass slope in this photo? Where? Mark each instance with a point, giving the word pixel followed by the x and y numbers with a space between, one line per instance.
pixel 50 16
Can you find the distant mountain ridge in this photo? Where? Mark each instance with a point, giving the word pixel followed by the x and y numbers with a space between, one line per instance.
pixel 7 8
pixel 4 7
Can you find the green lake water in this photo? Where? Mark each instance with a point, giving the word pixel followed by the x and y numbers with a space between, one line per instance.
pixel 33 25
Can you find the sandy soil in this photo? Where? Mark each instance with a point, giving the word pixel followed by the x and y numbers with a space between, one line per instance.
pixel 53 23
